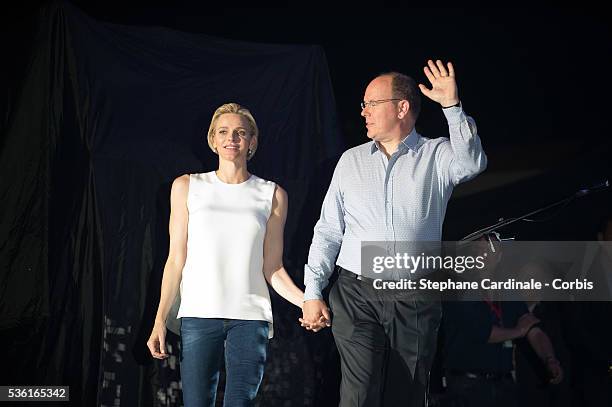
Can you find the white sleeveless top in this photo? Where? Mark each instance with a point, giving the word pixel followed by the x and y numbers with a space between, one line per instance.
pixel 223 273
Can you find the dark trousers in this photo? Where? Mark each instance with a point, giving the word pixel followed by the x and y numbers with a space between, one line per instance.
pixel 386 343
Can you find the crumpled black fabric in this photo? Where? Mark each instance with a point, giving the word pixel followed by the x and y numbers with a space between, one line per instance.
pixel 108 116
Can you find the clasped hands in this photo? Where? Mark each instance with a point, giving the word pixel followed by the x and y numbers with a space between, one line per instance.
pixel 315 316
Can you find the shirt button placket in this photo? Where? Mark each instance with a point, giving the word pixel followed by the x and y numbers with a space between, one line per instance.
pixel 389 212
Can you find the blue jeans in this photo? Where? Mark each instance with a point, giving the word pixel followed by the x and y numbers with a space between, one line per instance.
pixel 203 341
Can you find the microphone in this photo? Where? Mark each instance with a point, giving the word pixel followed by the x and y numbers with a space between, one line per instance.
pixel 597 187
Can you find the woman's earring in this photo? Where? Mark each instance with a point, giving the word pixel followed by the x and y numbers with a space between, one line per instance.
pixel 249 153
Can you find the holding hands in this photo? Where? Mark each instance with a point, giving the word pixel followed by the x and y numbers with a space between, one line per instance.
pixel 444 87
pixel 316 315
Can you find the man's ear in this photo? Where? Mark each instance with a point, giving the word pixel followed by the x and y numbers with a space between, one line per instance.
pixel 403 107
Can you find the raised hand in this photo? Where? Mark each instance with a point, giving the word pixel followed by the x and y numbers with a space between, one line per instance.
pixel 443 85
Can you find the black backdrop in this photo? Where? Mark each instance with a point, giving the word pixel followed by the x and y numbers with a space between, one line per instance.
pixel 109 115
pixel 105 116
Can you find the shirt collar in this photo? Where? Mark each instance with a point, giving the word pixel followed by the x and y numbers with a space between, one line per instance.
pixel 411 141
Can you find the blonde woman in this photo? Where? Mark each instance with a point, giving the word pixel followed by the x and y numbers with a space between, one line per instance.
pixel 226 241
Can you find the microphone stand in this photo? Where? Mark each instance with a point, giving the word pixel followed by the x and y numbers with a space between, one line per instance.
pixel 505 222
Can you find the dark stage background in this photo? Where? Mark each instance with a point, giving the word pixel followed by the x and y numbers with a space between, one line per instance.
pixel 104 106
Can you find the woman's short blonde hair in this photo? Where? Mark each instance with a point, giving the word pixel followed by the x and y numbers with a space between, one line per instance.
pixel 236 109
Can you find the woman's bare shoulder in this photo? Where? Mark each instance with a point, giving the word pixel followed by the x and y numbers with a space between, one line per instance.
pixel 180 186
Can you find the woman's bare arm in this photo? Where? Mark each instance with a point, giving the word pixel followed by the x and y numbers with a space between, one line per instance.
pixel 173 269
pixel 273 268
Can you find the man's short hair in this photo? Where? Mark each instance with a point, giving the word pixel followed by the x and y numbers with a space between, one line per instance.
pixel 404 87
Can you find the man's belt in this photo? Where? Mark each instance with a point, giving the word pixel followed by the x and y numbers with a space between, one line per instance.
pixel 346 273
